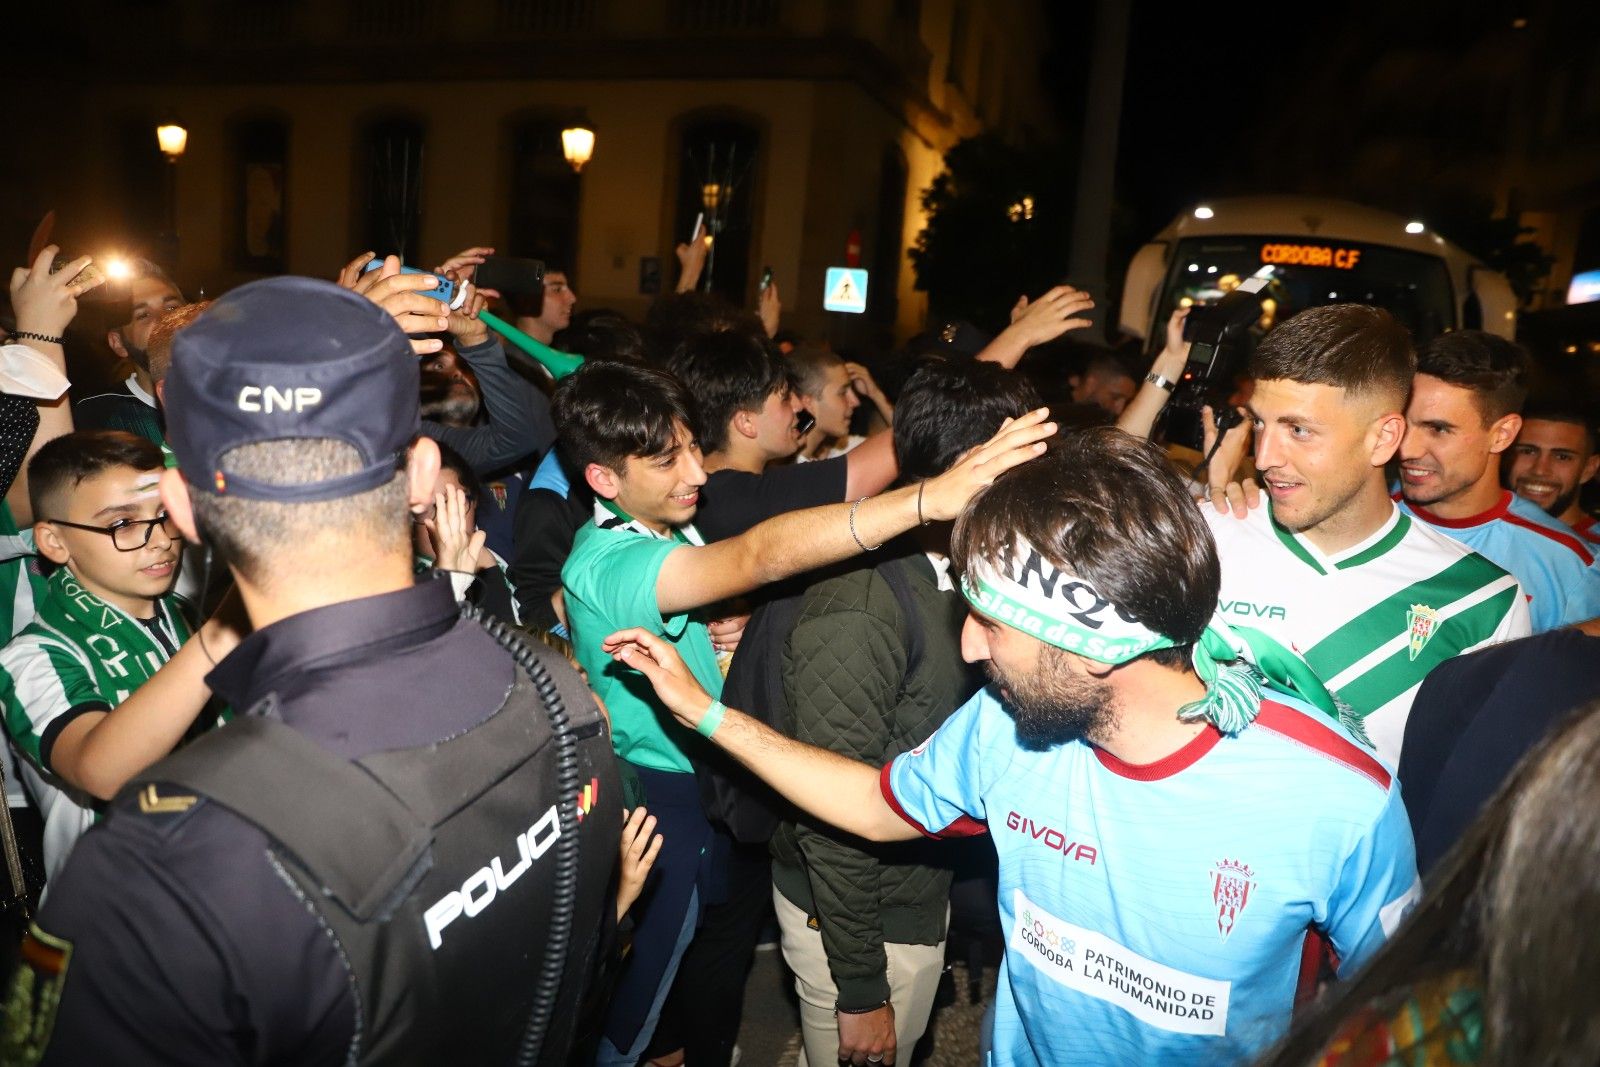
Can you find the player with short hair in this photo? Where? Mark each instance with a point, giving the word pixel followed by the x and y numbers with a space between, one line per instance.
pixel 1331 569
pixel 1554 456
pixel 1463 414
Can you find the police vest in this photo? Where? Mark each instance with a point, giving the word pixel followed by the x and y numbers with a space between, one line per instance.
pixel 435 868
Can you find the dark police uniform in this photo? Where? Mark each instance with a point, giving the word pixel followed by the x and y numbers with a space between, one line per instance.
pixel 177 935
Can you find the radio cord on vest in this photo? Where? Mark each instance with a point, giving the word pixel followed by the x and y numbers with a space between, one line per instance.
pixel 565 900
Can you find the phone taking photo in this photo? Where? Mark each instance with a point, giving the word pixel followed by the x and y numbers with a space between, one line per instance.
pixel 444 291
pixel 510 274
pixel 766 278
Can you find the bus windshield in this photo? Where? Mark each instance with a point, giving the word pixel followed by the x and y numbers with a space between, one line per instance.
pixel 1308 272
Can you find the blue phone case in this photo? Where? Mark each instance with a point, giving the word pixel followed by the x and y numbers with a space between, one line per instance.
pixel 445 290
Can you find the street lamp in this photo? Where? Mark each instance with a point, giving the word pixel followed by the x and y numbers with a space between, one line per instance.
pixel 173 139
pixel 577 144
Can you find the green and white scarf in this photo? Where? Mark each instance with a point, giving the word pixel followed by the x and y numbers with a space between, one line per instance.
pixel 119 650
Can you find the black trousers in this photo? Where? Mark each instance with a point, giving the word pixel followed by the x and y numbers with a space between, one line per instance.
pixel 704 1009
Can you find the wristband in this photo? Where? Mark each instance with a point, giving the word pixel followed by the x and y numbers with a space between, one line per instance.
pixel 1159 382
pixel 46 338
pixel 711 719
pixel 859 1011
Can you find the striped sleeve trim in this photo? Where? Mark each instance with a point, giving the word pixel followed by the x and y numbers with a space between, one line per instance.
pixel 1318 736
pixel 40 681
pixel 1555 535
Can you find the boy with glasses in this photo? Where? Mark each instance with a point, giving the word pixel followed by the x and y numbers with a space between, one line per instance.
pixel 104 681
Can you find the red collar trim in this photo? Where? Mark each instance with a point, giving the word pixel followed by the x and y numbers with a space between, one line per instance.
pixel 1499 511
pixel 1166 766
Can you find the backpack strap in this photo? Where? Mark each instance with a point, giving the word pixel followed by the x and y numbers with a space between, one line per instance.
pixel 895 574
pixel 284 783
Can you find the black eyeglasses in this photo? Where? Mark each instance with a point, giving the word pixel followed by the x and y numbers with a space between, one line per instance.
pixel 124 533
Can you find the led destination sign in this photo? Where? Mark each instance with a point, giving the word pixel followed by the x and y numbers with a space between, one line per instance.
pixel 1310 256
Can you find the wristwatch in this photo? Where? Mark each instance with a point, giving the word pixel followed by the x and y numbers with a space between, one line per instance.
pixel 1159 382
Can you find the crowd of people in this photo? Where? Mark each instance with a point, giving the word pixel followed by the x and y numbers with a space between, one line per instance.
pixel 392 679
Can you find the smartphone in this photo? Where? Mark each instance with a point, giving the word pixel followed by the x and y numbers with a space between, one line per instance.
pixel 804 421
pixel 699 223
pixel 91 275
pixel 510 274
pixel 445 290
pixel 766 278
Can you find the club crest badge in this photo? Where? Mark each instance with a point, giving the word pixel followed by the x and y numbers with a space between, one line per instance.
pixel 1232 882
pixel 1422 621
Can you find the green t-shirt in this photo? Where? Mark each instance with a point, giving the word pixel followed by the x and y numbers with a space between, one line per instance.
pixel 610 581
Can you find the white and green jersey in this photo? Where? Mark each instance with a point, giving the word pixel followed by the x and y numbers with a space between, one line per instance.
pixel 1373 620
pixel 21 583
pixel 78 655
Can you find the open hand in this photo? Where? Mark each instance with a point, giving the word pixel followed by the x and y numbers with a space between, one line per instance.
pixel 1018 441
pixel 639 848
pixel 459 545
pixel 1050 316
pixel 659 662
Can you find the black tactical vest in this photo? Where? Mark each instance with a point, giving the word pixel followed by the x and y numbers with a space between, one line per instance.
pixel 435 869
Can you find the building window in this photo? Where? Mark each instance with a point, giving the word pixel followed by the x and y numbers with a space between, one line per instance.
pixel 260 182
pixel 544 197
pixel 717 178
pixel 390 186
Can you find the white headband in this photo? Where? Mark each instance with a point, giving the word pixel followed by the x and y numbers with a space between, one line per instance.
pixel 1031 595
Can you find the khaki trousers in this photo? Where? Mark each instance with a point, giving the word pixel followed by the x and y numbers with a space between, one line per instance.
pixel 913 980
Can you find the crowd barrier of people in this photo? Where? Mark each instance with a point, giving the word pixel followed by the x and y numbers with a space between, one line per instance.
pixel 399 679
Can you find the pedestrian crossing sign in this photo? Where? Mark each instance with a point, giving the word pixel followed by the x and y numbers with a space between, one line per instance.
pixel 846 290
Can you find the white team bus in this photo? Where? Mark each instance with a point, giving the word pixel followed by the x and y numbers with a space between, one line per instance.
pixel 1321 252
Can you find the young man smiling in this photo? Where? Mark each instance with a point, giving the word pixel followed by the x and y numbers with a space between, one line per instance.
pixel 1463 416
pixel 102 683
pixel 1553 458
pixel 643 564
pixel 1332 570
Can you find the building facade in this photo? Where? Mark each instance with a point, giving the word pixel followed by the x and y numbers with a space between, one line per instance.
pixel 318 130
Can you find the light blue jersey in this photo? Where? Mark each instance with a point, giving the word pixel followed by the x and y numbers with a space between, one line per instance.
pixel 1157 914
pixel 1547 557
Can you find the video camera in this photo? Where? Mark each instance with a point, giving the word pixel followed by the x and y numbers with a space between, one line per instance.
pixel 1216 356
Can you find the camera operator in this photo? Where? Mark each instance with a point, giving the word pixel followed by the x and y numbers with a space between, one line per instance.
pixel 381 859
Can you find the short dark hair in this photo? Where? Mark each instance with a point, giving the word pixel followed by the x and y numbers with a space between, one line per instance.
pixel 675 318
pixel 1496 370
pixel 1104 505
pixel 262 537
pixel 1360 349
pixel 727 372
pixel 471 484
pixel 603 334
pixel 61 465
pixel 607 411
pixel 532 304
pixel 1563 406
pixel 949 406
pixel 809 365
pixel 1108 365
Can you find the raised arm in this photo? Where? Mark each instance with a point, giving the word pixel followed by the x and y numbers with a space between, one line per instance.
pixel 799 541
pixel 840 791
pixel 1139 417
pixel 45 304
pixel 1034 323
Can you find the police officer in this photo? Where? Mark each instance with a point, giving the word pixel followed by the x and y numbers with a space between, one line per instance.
pixel 399 850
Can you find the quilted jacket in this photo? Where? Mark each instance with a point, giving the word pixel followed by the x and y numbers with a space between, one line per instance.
pixel 844 677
